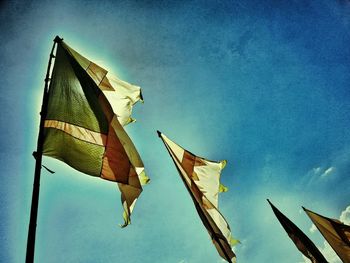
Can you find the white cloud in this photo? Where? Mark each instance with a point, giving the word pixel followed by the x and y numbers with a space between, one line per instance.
pixel 329 253
pixel 318 173
pixel 328 171
pixel 306 260
pixel 317 170
pixel 345 216
pixel 313 228
pixel 322 172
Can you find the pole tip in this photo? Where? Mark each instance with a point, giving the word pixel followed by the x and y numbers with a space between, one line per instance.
pixel 159 133
pixel 58 39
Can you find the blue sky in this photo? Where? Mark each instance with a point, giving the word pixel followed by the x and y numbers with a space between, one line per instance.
pixel 263 84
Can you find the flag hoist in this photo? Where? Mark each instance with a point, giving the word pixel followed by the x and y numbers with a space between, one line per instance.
pixel 202 180
pixel 83 112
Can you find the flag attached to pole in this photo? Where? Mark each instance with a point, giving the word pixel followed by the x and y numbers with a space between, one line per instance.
pixel 335 232
pixel 86 112
pixel 301 241
pixel 201 178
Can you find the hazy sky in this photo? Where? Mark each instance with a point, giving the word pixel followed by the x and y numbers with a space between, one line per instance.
pixel 263 84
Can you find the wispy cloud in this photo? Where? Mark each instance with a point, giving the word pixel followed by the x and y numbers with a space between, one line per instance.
pixel 317 170
pixel 329 253
pixel 313 228
pixel 322 172
pixel 318 174
pixel 328 172
pixel 306 260
pixel 345 216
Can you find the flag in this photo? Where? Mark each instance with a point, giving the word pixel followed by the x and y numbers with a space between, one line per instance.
pixel 87 109
pixel 201 178
pixel 335 232
pixel 302 242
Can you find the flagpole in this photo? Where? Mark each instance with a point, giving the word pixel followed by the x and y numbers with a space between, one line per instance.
pixel 199 209
pixel 38 157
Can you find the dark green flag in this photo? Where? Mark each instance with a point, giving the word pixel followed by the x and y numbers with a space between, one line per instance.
pixel 87 109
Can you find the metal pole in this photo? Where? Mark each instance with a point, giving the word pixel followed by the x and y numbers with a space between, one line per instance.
pixel 38 157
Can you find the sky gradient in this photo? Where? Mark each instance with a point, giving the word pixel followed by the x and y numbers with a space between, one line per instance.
pixel 263 84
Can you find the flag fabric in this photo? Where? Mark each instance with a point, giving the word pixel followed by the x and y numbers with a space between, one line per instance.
pixel 301 241
pixel 201 178
pixel 86 112
pixel 335 232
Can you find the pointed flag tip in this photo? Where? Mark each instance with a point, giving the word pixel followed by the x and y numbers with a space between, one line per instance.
pixel 223 164
pixel 58 39
pixel 159 133
pixel 141 97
